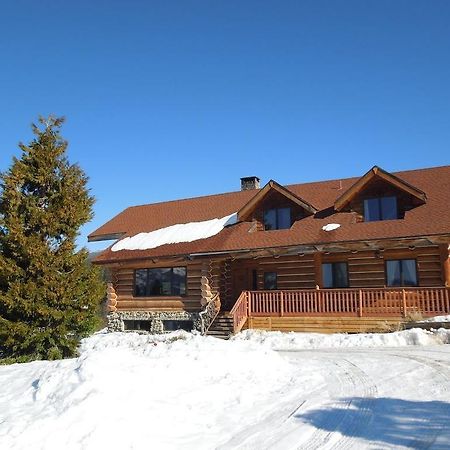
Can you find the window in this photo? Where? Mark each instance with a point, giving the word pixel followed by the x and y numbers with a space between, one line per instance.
pixel 173 325
pixel 143 325
pixel 277 218
pixel 335 275
pixel 401 272
pixel 270 280
pixel 162 281
pixel 380 208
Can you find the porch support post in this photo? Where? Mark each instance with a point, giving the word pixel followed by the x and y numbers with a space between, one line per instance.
pixel 445 261
pixel 404 302
pixel 318 269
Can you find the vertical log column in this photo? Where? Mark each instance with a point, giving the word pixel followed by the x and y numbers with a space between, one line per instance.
pixel 318 270
pixel 445 262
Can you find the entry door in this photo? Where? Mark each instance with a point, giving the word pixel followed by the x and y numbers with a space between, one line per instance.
pixel 242 281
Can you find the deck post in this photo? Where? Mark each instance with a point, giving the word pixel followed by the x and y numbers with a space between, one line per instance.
pixel 445 262
pixel 281 304
pixel 404 302
pixel 249 303
pixel 360 311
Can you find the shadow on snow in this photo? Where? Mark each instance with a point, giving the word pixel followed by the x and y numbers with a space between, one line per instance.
pixel 390 421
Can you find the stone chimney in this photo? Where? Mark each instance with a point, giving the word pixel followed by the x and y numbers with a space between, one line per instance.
pixel 249 183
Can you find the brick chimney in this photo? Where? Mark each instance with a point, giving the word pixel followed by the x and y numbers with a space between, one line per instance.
pixel 249 183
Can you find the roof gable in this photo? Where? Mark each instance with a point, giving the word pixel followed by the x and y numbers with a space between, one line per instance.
pixel 252 204
pixel 378 173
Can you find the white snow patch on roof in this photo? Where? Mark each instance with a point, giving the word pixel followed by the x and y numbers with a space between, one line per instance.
pixel 181 232
pixel 331 226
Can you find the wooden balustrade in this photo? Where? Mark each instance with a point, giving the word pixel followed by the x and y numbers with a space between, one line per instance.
pixel 373 302
pixel 358 302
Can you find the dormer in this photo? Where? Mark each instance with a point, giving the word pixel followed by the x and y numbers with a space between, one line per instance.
pixel 274 207
pixel 379 195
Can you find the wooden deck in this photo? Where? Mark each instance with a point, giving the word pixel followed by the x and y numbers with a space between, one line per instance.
pixel 355 307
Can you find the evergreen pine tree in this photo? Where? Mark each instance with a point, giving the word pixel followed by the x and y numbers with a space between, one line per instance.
pixel 49 293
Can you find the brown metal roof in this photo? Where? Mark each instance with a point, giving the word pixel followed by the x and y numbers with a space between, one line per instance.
pixel 432 218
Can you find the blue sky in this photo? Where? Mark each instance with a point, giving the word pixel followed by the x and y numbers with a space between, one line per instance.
pixel 174 99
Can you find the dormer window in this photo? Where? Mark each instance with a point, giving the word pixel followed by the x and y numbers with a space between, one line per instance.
pixel 380 208
pixel 277 219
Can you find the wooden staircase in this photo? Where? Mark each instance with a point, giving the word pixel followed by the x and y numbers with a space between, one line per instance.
pixel 222 327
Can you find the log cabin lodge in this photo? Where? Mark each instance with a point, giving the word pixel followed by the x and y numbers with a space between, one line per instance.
pixel 352 255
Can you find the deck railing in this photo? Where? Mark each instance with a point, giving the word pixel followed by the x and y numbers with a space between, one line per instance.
pixel 381 302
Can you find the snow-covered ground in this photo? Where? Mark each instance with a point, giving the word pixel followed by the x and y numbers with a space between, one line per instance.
pixel 259 390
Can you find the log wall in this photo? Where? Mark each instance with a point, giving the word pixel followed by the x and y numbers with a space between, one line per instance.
pixel 366 269
pixel 123 281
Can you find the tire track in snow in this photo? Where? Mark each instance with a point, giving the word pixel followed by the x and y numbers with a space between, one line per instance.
pixel 354 382
pixel 283 429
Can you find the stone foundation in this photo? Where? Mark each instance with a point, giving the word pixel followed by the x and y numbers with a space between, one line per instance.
pixel 116 319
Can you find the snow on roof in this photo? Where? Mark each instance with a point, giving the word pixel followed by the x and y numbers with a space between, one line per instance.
pixel 181 232
pixel 331 226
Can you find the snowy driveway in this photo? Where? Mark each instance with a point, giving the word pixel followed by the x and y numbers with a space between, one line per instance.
pixel 185 391
pixel 360 398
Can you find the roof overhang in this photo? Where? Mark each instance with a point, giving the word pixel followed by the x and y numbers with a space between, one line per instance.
pixel 105 237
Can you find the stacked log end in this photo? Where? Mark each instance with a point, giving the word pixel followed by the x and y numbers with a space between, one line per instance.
pixel 111 297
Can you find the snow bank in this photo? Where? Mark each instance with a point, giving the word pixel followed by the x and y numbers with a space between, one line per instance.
pixel 437 319
pixel 293 341
pixel 331 226
pixel 128 390
pixel 182 232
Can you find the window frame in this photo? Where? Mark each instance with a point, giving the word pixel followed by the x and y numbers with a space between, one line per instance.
pixel 333 263
pixel 380 208
pixel 276 281
pixel 416 265
pixel 147 295
pixel 277 209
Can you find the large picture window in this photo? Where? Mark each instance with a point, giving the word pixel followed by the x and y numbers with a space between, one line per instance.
pixel 335 275
pixel 161 281
pixel 401 272
pixel 277 218
pixel 380 208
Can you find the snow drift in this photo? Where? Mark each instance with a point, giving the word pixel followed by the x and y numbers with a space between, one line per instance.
pixel 139 391
pixel 297 341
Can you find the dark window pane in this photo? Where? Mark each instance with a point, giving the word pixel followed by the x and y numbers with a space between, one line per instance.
pixel 393 273
pixel 137 325
pixel 334 275
pixel 389 208
pixel 340 275
pixel 371 209
pixel 166 281
pixel 161 281
pixel 270 280
pixel 179 281
pixel 284 218
pixel 270 219
pixel 327 275
pixel 173 325
pixel 154 282
pixel 140 283
pixel 409 272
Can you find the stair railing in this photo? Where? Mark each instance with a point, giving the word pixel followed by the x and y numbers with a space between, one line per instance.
pixel 208 315
pixel 239 311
